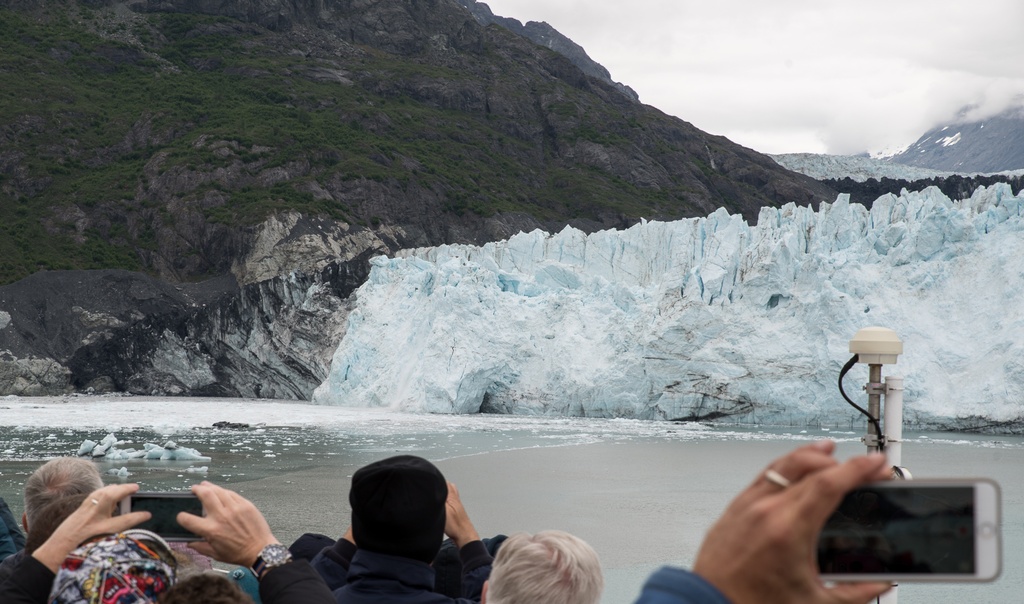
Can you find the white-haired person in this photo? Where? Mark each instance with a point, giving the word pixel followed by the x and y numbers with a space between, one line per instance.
pixel 550 566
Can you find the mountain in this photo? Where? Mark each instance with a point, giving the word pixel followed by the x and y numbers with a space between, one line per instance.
pixel 705 318
pixel 264 150
pixel 152 135
pixel 994 144
pixel 543 34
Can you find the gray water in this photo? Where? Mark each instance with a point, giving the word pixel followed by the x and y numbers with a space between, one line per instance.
pixel 642 493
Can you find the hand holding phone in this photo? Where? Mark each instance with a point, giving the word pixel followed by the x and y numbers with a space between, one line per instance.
pixel 941 530
pixel 164 508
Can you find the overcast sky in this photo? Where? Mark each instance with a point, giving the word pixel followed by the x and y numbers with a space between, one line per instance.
pixel 822 76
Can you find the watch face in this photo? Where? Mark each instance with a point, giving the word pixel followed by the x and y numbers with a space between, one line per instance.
pixel 272 556
pixel 275 554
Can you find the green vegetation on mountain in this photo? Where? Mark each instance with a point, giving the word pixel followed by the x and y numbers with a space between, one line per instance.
pixel 149 140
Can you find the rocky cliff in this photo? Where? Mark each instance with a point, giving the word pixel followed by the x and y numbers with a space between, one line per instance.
pixel 266 149
pixel 120 331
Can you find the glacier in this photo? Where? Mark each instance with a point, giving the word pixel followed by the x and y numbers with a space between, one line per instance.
pixel 861 169
pixel 705 318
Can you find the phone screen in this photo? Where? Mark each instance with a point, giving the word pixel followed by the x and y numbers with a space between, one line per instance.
pixel 905 530
pixel 165 507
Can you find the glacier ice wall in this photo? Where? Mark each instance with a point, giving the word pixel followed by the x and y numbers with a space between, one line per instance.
pixel 703 318
pixel 860 169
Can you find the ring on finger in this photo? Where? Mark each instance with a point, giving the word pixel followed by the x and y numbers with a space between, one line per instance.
pixel 777 479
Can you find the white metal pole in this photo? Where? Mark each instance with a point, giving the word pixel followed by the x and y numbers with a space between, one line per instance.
pixel 894 420
pixel 893 409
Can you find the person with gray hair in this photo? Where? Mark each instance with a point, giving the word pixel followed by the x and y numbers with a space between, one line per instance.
pixel 52 481
pixel 551 566
pixel 58 478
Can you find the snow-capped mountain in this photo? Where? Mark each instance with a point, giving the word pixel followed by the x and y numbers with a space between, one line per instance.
pixel 703 318
pixel 994 144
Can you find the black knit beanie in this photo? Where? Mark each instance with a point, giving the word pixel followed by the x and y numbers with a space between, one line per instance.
pixel 398 507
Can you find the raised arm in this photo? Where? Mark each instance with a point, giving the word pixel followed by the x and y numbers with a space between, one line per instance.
pixel 234 531
pixel 457 525
pixel 763 549
pixel 93 517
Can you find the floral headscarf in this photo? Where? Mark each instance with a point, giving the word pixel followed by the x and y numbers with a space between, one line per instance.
pixel 131 567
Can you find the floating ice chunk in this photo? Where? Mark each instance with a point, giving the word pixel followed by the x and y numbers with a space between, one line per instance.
pixel 199 470
pixel 105 448
pixel 170 451
pixel 111 441
pixel 183 454
pixel 122 473
pixel 119 454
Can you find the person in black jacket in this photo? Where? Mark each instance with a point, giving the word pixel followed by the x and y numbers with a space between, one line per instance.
pixel 401 509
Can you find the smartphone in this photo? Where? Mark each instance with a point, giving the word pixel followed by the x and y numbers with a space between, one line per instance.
pixel 914 530
pixel 164 508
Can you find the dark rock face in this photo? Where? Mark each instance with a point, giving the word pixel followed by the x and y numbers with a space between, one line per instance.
pixel 992 145
pixel 51 315
pixel 120 331
pixel 264 340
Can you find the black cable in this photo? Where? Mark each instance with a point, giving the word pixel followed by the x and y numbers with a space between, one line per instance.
pixel 871 418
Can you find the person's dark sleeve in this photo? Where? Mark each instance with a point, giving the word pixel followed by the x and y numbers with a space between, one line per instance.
pixel 7 545
pixel 476 569
pixel 30 583
pixel 294 583
pixel 676 586
pixel 11 539
pixel 332 563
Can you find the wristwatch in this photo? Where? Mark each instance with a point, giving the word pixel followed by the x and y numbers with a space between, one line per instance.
pixel 271 556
